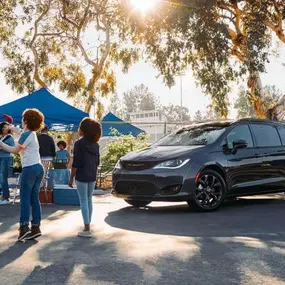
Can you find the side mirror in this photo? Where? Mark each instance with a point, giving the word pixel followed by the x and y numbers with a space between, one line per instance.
pixel 238 144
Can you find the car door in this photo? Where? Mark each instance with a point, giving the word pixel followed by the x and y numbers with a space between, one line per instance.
pixel 244 167
pixel 269 144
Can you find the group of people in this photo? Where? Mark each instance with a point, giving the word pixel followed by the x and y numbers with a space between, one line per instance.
pixel 84 167
pixel 48 150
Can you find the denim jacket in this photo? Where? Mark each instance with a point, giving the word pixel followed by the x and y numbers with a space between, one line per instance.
pixel 9 140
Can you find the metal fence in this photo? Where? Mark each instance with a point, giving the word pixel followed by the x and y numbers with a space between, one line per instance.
pixel 157 130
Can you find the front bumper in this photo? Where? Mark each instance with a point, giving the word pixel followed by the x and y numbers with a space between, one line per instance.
pixel 154 185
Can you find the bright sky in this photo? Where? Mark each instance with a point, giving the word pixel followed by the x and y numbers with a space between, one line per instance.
pixel 193 97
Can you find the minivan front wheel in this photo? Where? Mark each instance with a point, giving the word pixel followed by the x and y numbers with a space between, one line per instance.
pixel 210 191
pixel 137 204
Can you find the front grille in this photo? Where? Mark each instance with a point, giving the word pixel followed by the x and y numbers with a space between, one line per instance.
pixel 136 188
pixel 137 166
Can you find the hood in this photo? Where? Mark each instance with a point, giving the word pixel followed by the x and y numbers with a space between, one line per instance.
pixel 160 153
pixel 92 148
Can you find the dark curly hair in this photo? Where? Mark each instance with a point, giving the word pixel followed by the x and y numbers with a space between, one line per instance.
pixel 90 129
pixel 2 124
pixel 34 119
pixel 63 143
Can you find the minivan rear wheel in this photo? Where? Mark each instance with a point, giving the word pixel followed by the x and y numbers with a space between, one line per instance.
pixel 137 204
pixel 210 191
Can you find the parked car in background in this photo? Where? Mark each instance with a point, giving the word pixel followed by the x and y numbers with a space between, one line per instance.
pixel 205 163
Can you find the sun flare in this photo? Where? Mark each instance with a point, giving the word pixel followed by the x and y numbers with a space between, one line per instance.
pixel 143 5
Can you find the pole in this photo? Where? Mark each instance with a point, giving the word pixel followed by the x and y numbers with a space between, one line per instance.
pixel 155 123
pixel 181 100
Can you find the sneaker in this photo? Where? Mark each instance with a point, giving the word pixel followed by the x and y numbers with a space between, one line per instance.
pixel 24 231
pixel 35 232
pixel 85 234
pixel 4 202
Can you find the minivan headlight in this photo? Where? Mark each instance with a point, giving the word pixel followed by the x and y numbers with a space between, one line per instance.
pixel 118 165
pixel 172 164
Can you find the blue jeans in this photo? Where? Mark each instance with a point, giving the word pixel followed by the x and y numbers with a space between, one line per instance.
pixel 29 193
pixel 85 192
pixel 5 163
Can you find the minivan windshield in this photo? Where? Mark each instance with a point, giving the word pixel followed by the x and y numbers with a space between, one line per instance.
pixel 202 134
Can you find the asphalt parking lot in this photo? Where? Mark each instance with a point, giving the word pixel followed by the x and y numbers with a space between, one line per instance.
pixel 165 243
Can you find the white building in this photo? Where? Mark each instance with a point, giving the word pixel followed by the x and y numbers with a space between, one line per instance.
pixel 154 123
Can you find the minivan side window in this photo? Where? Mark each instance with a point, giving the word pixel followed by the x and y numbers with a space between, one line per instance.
pixel 265 135
pixel 282 134
pixel 241 132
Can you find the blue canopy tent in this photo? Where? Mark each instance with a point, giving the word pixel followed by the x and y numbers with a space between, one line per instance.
pixel 59 115
pixel 110 121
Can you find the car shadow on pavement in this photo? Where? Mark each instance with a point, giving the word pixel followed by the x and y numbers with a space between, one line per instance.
pixel 245 216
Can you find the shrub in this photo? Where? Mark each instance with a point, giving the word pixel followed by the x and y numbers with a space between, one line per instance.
pixel 120 146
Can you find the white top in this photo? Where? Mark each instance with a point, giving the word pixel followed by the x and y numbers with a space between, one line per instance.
pixel 29 145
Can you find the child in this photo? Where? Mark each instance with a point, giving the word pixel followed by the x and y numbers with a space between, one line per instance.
pixel 84 168
pixel 62 153
pixel 32 172
pixel 5 161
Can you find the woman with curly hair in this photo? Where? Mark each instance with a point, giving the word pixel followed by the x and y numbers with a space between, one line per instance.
pixel 84 169
pixel 32 172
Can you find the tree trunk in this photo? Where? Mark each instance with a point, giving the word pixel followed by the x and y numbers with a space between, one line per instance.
pixel 257 95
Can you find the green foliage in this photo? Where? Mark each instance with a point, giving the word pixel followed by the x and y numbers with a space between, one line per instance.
pixel 173 113
pixel 208 36
pixel 120 146
pixel 244 107
pixel 139 98
pixel 72 44
pixel 17 161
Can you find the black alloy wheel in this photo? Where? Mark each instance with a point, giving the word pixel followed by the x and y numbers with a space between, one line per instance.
pixel 210 191
pixel 137 204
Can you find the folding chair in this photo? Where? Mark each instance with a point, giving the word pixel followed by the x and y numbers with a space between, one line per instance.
pixel 46 165
pixel 15 185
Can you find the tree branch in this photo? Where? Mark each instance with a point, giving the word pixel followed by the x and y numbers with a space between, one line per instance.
pixel 50 34
pixel 107 43
pixel 73 23
pixel 238 16
pixel 279 32
pixel 33 48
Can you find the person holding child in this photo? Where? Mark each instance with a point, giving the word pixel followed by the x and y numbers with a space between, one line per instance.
pixel 5 161
pixel 32 172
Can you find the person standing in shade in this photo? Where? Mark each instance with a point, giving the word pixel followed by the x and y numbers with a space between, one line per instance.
pixel 84 169
pixel 47 145
pixel 5 161
pixel 32 172
pixel 47 151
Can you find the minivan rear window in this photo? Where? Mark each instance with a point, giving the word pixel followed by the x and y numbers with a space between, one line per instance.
pixel 266 135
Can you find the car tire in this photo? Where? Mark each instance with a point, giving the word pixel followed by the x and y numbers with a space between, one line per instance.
pixel 210 192
pixel 137 204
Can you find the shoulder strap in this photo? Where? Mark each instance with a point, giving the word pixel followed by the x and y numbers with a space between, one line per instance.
pixel 7 137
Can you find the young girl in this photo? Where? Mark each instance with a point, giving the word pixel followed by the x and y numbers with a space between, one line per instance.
pixel 62 153
pixel 32 173
pixel 84 169
pixel 5 161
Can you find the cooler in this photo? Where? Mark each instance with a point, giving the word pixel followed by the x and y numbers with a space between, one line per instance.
pixel 64 195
